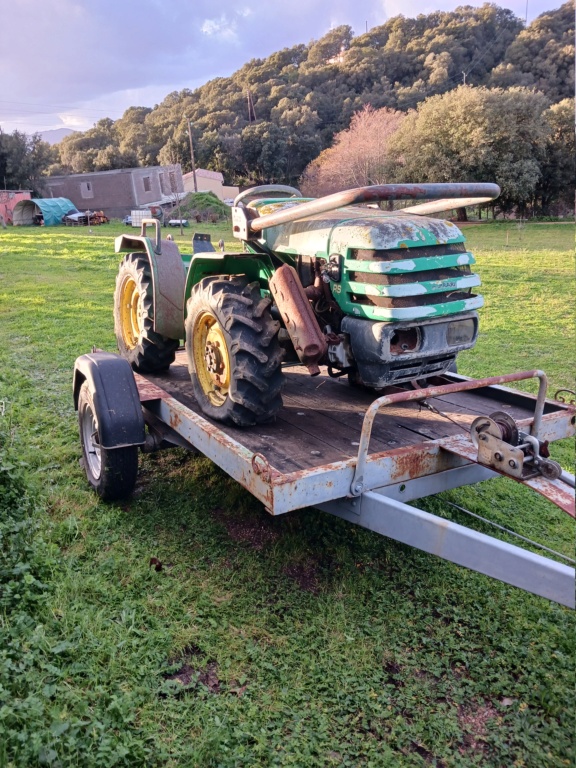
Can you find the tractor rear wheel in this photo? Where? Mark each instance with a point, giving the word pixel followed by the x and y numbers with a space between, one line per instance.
pixel 138 342
pixel 233 352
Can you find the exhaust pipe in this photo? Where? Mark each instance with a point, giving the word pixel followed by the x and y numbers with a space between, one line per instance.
pixel 299 319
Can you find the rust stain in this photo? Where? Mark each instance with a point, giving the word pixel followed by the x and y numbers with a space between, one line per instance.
pixel 555 491
pixel 408 466
pixel 147 390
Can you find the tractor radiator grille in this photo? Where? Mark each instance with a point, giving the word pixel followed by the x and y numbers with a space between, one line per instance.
pixel 398 254
pixel 411 301
pixel 447 273
pixel 393 284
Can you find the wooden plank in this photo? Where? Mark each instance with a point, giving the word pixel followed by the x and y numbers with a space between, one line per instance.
pixel 483 406
pixel 402 424
pixel 287 446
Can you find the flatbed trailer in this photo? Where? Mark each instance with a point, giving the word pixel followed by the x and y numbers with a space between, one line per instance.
pixel 353 454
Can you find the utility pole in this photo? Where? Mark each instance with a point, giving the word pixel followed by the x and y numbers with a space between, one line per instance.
pixel 464 74
pixel 192 153
pixel 251 110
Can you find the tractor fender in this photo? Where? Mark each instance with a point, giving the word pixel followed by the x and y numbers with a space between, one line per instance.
pixel 205 264
pixel 115 395
pixel 168 279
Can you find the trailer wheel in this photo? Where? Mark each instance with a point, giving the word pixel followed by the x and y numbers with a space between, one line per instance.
pixel 111 472
pixel 138 342
pixel 233 352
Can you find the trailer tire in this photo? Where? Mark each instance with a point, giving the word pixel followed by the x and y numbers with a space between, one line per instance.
pixel 138 342
pixel 234 356
pixel 111 472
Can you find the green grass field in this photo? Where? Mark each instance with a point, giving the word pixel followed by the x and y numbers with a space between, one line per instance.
pixel 296 641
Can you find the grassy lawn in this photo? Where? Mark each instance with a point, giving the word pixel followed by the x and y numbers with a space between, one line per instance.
pixel 296 641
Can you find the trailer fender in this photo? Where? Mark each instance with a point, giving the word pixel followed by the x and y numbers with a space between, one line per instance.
pixel 115 395
pixel 168 276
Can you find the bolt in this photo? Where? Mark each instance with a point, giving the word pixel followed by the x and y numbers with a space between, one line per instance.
pixel 513 463
pixel 482 437
pixel 358 488
pixel 498 456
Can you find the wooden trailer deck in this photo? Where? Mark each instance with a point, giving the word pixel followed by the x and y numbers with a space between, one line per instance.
pixel 321 419
pixel 317 432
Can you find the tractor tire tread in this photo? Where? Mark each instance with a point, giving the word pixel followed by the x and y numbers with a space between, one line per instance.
pixel 254 394
pixel 153 352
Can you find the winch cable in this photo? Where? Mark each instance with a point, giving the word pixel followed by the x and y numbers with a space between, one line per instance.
pixel 509 531
pixel 426 404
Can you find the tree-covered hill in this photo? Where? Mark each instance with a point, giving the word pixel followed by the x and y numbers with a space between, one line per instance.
pixel 273 116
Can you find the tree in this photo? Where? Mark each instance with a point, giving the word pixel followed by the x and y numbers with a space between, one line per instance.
pixel 477 134
pixel 556 185
pixel 359 156
pixel 24 160
pixel 542 55
pixel 331 45
pixel 264 152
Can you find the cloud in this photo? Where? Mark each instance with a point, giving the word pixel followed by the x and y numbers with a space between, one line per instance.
pixel 222 28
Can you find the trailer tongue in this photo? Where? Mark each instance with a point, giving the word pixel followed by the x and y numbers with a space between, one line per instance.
pixel 363 459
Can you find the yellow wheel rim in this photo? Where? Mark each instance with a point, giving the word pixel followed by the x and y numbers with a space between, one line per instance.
pixel 129 311
pixel 211 358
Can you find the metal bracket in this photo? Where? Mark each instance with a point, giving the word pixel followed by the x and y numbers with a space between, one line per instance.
pixel 505 458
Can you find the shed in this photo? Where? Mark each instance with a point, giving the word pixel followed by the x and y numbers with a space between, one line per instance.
pixel 51 209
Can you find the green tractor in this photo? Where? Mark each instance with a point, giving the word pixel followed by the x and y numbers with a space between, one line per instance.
pixel 381 296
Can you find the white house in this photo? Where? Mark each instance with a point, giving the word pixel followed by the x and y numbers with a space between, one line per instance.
pixel 209 181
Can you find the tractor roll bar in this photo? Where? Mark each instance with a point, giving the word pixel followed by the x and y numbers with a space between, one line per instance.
pixel 375 194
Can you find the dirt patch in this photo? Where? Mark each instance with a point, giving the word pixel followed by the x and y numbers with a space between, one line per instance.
pixel 474 720
pixel 256 530
pixel 305 575
pixel 393 671
pixel 191 671
pixel 426 755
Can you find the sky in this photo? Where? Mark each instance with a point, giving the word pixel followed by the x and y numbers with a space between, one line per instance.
pixel 69 63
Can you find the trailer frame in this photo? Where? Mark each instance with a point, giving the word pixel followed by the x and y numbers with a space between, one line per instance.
pixel 371 488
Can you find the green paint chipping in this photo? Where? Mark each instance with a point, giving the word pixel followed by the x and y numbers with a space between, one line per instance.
pixel 410 264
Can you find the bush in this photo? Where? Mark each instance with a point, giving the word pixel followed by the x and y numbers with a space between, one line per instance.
pixel 204 206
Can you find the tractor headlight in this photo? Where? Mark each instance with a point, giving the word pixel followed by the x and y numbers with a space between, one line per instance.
pixel 461 332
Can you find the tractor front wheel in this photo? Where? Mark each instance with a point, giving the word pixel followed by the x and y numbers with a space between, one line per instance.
pixel 138 342
pixel 233 352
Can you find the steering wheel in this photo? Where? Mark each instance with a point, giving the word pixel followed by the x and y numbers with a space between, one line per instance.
pixel 265 190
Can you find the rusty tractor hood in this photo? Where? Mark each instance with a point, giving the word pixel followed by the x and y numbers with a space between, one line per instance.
pixel 351 228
